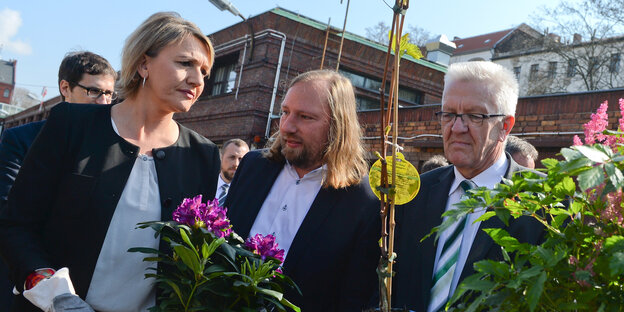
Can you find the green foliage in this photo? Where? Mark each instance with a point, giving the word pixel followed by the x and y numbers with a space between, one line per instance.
pixel 579 266
pixel 207 273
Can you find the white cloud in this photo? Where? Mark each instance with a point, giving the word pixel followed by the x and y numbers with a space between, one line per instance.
pixel 10 22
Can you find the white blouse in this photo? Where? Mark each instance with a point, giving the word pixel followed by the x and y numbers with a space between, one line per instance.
pixel 118 282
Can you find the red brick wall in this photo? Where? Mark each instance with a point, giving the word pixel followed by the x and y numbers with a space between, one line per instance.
pixel 547 122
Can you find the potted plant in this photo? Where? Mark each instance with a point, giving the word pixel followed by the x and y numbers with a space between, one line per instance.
pixel 211 268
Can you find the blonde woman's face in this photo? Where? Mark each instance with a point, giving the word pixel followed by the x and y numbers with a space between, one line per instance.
pixel 175 77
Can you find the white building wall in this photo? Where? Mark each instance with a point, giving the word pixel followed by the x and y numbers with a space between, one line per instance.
pixel 542 83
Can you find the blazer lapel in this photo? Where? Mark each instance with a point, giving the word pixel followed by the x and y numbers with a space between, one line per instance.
pixel 321 207
pixel 483 242
pixel 261 183
pixel 435 205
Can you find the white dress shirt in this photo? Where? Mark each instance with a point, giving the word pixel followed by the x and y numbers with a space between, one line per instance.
pixel 488 178
pixel 118 282
pixel 287 205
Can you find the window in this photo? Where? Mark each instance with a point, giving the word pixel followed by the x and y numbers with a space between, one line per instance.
pixel 534 72
pixel 614 63
pixel 593 64
pixel 572 67
pixel 6 93
pixel 223 77
pixel 412 97
pixel 552 70
pixel 516 71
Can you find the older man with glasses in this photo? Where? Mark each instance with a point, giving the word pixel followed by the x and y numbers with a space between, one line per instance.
pixel 84 77
pixel 478 108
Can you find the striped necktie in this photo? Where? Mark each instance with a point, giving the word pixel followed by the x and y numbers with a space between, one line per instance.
pixel 445 268
pixel 223 194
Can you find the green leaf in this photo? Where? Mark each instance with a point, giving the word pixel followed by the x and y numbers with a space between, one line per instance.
pixel 495 268
pixel 576 207
pixel 565 188
pixel 269 292
pixel 614 242
pixel 502 238
pixel 189 258
pixel 591 178
pixel 289 304
pixel 530 272
pixel 186 239
pixel 151 251
pixel 570 154
pixel 208 250
pixel 485 216
pixel 616 264
pixel 615 175
pixel 592 153
pixel 534 291
pixel 176 289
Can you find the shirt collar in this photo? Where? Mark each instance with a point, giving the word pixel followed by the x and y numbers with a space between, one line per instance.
pixel 317 173
pixel 488 178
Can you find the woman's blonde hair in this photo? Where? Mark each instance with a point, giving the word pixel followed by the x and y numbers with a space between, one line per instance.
pixel 157 32
pixel 344 153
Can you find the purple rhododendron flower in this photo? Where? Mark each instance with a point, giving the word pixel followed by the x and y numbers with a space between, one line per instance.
pixel 216 219
pixel 265 246
pixel 211 216
pixel 189 211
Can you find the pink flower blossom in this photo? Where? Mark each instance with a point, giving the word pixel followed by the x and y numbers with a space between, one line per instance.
pixel 189 211
pixel 211 216
pixel 613 210
pixel 577 140
pixel 621 120
pixel 265 246
pixel 598 123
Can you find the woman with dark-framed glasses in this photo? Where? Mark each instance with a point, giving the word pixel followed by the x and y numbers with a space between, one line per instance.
pixel 95 171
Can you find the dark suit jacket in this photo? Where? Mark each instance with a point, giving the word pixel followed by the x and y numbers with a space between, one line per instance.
pixel 66 192
pixel 14 144
pixel 335 252
pixel 415 260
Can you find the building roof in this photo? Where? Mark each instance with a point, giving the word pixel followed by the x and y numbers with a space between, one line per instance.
pixel 350 36
pixel 480 42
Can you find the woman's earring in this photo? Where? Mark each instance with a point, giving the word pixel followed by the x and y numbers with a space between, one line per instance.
pixel 143 82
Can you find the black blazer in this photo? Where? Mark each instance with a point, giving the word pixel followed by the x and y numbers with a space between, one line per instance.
pixel 14 144
pixel 66 192
pixel 335 252
pixel 415 260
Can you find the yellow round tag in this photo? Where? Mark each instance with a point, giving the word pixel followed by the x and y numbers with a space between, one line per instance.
pixel 407 179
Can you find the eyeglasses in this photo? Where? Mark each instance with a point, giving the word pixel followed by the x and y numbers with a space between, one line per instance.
pixel 95 93
pixel 474 119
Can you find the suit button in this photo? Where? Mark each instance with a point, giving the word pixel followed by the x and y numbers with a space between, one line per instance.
pixel 160 155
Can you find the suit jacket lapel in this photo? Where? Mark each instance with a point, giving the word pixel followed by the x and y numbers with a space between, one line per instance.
pixel 435 205
pixel 321 207
pixel 483 242
pixel 252 201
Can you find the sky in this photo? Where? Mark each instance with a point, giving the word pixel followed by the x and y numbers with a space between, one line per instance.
pixel 38 33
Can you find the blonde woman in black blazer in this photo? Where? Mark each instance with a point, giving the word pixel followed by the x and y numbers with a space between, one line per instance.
pixel 68 190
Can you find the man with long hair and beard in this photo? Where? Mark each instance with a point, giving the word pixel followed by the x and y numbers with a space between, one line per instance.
pixel 310 190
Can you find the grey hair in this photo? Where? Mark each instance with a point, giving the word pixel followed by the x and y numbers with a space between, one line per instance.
pixel 500 82
pixel 515 145
pixel 436 161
